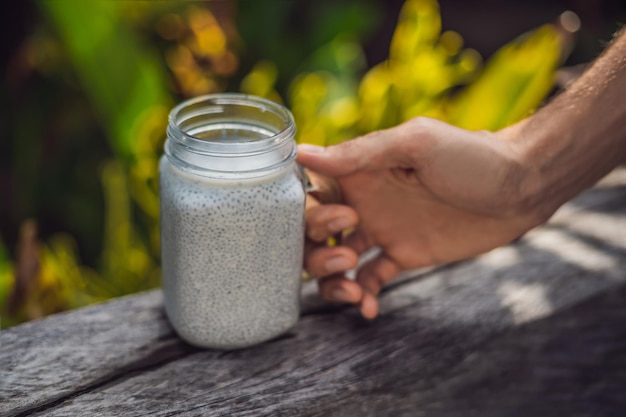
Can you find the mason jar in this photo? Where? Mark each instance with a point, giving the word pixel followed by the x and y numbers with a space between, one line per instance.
pixel 232 221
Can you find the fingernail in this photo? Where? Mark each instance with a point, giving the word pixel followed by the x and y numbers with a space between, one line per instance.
pixel 338 294
pixel 339 224
pixel 307 147
pixel 368 306
pixel 337 264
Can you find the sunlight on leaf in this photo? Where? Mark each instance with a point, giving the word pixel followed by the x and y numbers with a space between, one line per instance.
pixel 514 82
pixel 333 96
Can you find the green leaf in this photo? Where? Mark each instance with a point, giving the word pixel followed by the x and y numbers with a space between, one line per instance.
pixel 123 78
pixel 515 81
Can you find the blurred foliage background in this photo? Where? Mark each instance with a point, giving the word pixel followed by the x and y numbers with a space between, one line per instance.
pixel 86 88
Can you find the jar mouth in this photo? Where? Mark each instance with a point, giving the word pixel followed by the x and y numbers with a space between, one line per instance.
pixel 230 123
pixel 229 134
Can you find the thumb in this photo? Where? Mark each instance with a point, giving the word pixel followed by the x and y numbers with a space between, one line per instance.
pixel 378 150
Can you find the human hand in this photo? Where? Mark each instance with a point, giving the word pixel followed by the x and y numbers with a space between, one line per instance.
pixel 424 192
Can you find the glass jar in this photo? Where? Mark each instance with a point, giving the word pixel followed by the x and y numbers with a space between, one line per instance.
pixel 232 221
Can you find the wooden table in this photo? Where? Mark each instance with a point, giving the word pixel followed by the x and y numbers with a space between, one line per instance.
pixel 537 328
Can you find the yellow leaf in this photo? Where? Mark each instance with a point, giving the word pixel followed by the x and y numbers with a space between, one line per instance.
pixel 515 80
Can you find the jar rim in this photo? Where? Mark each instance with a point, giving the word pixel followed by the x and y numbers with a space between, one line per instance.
pixel 223 99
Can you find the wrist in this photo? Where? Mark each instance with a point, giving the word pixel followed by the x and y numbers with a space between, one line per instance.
pixel 533 199
pixel 575 140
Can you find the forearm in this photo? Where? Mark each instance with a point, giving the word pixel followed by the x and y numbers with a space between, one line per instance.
pixel 579 137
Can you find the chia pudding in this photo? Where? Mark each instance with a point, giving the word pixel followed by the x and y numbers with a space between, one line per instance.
pixel 231 244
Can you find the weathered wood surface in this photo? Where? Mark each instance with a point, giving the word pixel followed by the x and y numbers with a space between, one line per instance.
pixel 534 328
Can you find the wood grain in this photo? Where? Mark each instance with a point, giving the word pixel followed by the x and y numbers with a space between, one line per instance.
pixel 481 337
pixel 47 360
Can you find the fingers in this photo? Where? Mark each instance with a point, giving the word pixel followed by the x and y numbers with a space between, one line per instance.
pixel 324 221
pixel 371 278
pixel 376 273
pixel 364 290
pixel 395 147
pixel 323 261
pixel 343 159
pixel 340 289
pixel 358 241
pixel 326 189
pixel 368 306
